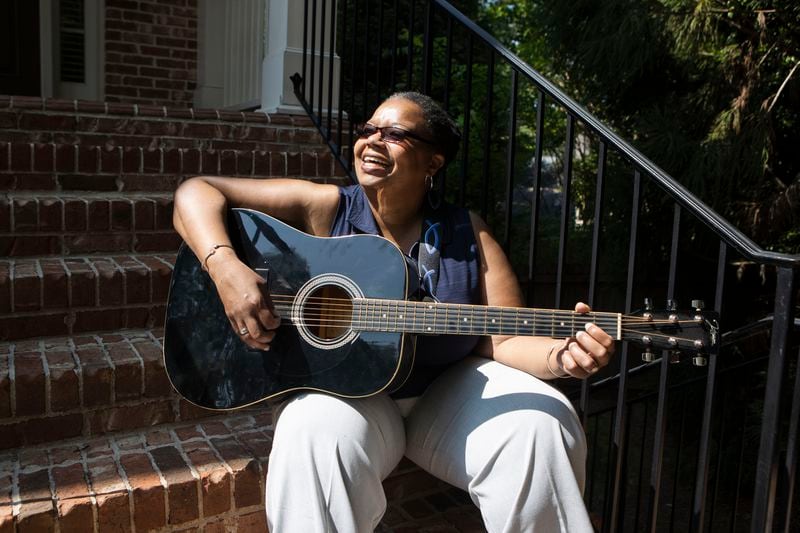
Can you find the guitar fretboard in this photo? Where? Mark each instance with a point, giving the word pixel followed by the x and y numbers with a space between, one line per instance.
pixel 460 319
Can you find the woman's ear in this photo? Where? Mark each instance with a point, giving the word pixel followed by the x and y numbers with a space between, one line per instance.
pixel 437 161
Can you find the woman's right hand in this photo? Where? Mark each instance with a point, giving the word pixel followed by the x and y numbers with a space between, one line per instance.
pixel 245 296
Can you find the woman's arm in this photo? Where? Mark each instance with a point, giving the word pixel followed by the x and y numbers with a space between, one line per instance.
pixel 199 216
pixel 578 356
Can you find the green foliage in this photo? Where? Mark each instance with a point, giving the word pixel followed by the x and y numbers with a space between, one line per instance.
pixel 708 89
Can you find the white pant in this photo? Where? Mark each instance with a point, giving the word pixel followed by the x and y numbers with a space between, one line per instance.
pixel 510 440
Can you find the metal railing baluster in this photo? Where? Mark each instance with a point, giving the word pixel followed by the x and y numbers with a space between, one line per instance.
pixel 566 203
pixel 322 25
pixel 465 132
pixel 312 72
pixel 511 159
pixel 536 193
pixel 331 54
pixel 487 134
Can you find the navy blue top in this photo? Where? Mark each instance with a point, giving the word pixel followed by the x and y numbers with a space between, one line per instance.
pixel 458 280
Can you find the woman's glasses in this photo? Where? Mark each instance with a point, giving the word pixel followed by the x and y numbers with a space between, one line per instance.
pixel 389 134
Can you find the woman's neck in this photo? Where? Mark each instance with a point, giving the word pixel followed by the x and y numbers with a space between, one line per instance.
pixel 399 216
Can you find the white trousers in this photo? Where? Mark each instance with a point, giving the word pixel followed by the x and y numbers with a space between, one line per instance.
pixel 510 440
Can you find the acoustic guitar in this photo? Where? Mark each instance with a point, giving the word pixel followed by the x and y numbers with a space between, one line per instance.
pixel 349 319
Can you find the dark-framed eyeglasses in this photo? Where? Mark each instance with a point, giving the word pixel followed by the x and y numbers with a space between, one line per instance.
pixel 389 134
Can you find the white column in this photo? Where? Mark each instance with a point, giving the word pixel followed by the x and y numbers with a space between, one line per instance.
pixel 284 56
pixel 230 53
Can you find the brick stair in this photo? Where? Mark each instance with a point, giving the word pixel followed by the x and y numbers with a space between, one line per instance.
pixel 92 436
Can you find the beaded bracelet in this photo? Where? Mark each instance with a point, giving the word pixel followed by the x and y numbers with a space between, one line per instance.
pixel 547 361
pixel 212 252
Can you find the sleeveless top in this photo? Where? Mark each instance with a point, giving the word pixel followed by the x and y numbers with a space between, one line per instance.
pixel 458 280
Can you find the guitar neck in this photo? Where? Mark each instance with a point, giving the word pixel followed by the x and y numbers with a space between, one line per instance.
pixel 463 319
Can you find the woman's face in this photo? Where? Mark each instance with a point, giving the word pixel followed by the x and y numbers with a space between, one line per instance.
pixel 402 165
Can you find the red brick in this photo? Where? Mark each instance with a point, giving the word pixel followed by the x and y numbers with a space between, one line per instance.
pixel 127 370
pixel 158 242
pixel 247 477
pixel 172 161
pixel 55 290
pixel 64 382
pixel 163 219
pixel 5 287
pixel 97 376
pixel 293 164
pixel 113 513
pixel 72 493
pixel 151 161
pixel 148 494
pixel 65 158
pixel 160 277
pixel 75 212
pixel 144 214
pixel 111 160
pixel 215 482
pixel 87 182
pixel 36 513
pixel 43 157
pixel 51 214
pixel 130 417
pixel 136 278
pixel 5 215
pixel 26 214
pixel 309 166
pixel 30 121
pixel 27 245
pixel 5 156
pixel 181 485
pixel 96 243
pixel 98 320
pixel 99 212
pixel 121 215
pixel 131 159
pixel 5 388
pixel 88 159
pixel 277 164
pixel 210 163
pixel 191 162
pixel 45 325
pixel 29 383
pixel 252 522
pixel 156 381
pixel 149 182
pixel 82 283
pixel 26 286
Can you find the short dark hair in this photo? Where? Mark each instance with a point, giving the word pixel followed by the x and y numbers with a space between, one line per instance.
pixel 445 133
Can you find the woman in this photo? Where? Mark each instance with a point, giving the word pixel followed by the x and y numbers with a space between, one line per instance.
pixel 476 412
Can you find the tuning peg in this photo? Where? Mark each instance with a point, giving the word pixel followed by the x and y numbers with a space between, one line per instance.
pixel 647 356
pixel 698 304
pixel 648 304
pixel 674 357
pixel 700 360
pixel 672 305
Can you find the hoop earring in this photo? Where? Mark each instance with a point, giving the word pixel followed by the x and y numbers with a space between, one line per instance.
pixel 434 195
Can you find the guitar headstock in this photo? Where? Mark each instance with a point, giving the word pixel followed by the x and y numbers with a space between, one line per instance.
pixel 693 331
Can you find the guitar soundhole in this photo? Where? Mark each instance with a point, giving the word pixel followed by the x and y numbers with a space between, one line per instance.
pixel 328 312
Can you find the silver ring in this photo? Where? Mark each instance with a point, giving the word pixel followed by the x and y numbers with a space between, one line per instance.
pixel 243 331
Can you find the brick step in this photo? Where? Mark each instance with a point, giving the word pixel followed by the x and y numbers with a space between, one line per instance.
pixel 65 224
pixel 64 387
pixel 44 297
pixel 33 166
pixel 201 476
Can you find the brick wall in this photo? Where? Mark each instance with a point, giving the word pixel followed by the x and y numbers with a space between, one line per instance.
pixel 151 51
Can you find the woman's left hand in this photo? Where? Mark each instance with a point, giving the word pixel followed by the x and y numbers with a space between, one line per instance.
pixel 588 351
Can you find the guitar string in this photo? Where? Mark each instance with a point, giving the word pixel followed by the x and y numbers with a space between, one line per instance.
pixel 324 314
pixel 553 314
pixel 412 325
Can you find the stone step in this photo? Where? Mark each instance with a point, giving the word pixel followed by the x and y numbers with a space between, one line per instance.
pixel 66 224
pixel 201 476
pixel 44 297
pixel 63 387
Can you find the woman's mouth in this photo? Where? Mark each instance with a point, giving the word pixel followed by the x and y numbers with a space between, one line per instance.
pixel 371 164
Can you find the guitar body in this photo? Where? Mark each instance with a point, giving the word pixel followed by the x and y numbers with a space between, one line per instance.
pixel 210 366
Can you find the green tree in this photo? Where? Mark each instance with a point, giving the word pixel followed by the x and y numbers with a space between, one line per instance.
pixel 708 89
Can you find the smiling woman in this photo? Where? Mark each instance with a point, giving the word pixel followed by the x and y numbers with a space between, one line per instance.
pixel 475 411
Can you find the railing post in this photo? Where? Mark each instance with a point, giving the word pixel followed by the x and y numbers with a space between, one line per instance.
pixel 768 451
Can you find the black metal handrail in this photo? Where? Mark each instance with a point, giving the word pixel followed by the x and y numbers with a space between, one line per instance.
pixel 376 60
